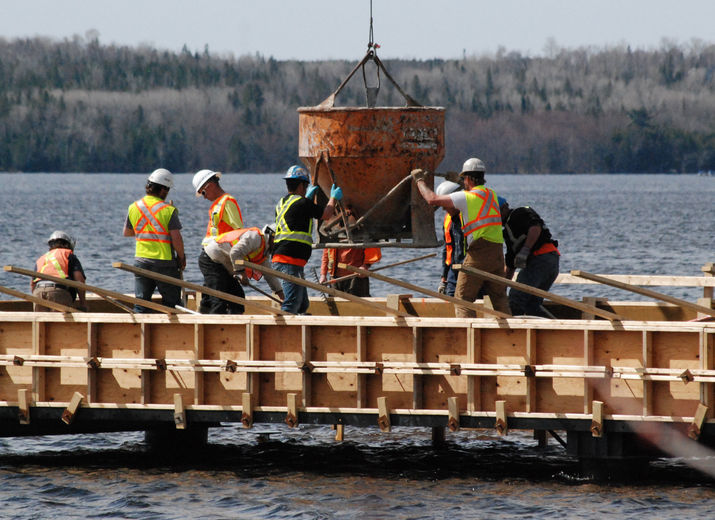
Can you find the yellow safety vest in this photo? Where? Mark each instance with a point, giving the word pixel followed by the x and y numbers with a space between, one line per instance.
pixel 483 219
pixel 283 232
pixel 150 218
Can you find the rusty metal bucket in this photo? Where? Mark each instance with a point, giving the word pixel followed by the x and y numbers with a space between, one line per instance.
pixel 369 153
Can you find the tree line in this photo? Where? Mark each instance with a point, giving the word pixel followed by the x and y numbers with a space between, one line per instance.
pixel 81 106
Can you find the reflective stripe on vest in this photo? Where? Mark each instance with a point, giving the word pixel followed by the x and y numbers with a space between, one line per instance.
pixel 150 217
pixel 216 225
pixel 283 232
pixel 480 223
pixel 54 263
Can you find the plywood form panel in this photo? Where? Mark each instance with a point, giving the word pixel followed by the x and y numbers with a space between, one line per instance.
pixel 172 341
pixel 618 349
pixel 334 344
pixel 65 339
pixel 118 385
pixel 448 345
pixel 15 340
pixel 279 343
pixel 390 344
pixel 504 346
pixel 559 347
pixel 225 342
pixel 681 351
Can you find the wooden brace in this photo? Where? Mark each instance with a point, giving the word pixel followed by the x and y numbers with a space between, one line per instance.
pixel 23 406
pixel 501 424
pixel 597 419
pixel 453 422
pixel 383 415
pixel 292 415
pixel 247 410
pixel 696 426
pixel 179 412
pixel 71 410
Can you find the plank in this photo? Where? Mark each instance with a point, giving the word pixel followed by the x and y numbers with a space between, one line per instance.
pixel 39 301
pixel 321 288
pixel 644 292
pixel 395 264
pixel 198 288
pixel 423 290
pixel 637 279
pixel 90 288
pixel 537 292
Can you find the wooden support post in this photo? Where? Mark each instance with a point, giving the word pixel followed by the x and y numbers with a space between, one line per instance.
pixel 246 410
pixel 501 424
pixel 253 345
pixel 38 373
pixel 531 361
pixel 179 412
pixel 305 338
pixel 704 302
pixel 437 436
pixel 383 415
pixel 541 438
pixel 71 410
pixel 697 425
pixel 588 349
pixel 361 346
pixel 453 407
pixel 198 354
pixel 292 415
pixel 647 363
pixel 597 419
pixel 592 301
pixel 474 355
pixel 92 370
pixel 144 353
pixel 339 432
pixel 707 362
pixel 708 270
pixel 417 379
pixel 23 406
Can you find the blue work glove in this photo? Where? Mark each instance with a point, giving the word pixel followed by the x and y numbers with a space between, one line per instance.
pixel 311 191
pixel 336 193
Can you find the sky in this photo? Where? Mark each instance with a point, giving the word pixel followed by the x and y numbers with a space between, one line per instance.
pixel 340 29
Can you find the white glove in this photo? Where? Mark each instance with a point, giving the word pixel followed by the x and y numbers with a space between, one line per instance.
pixel 520 260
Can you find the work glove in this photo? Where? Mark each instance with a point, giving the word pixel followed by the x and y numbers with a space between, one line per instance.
pixel 418 174
pixel 520 260
pixel 310 192
pixel 336 193
pixel 442 289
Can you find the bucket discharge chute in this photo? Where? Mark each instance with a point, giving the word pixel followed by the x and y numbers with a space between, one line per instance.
pixel 369 152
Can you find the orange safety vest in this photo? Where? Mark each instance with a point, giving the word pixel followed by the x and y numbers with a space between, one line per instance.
pixel 54 263
pixel 483 219
pixel 216 225
pixel 256 256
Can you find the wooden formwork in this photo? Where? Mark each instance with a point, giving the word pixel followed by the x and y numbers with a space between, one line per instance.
pixel 421 371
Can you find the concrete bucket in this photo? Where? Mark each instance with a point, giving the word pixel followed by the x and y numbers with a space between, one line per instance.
pixel 369 152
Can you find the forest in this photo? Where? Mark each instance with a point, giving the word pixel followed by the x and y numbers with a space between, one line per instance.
pixel 77 105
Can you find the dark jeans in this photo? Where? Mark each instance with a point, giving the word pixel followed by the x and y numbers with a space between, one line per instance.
pixel 296 296
pixel 216 277
pixel 540 272
pixel 355 286
pixel 144 287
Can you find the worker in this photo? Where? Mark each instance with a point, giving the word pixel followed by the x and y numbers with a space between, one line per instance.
pixel 250 244
pixel 59 261
pixel 481 226
pixel 224 216
pixel 453 248
pixel 354 256
pixel 531 249
pixel 155 225
pixel 294 233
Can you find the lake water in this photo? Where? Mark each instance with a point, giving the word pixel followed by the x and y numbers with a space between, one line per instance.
pixel 623 224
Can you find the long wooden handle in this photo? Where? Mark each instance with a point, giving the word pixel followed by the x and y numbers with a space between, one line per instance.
pixel 429 292
pixel 537 292
pixel 39 301
pixel 355 275
pixel 644 292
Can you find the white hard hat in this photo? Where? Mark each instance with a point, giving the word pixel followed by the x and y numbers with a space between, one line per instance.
pixel 472 165
pixel 163 177
pixel 201 177
pixel 446 187
pixel 61 235
pixel 297 172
